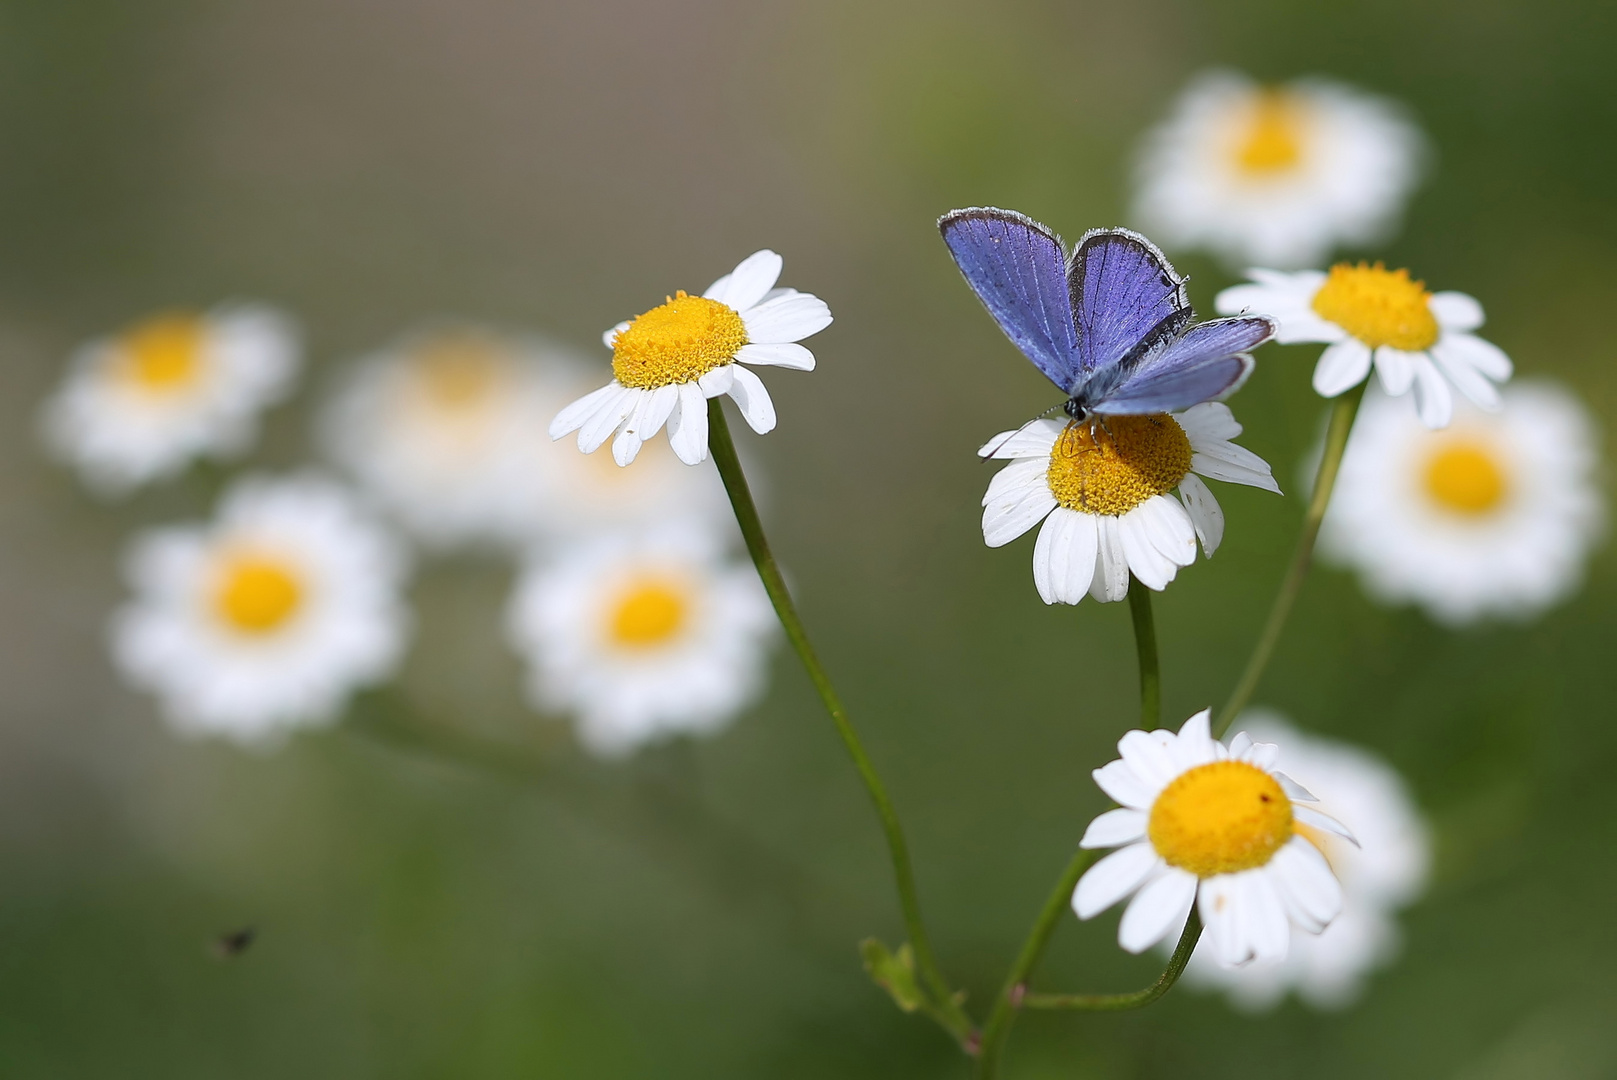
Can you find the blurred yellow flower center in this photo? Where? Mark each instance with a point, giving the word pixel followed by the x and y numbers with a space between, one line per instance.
pixel 1111 466
pixel 1272 141
pixel 460 372
pixel 163 354
pixel 256 594
pixel 1220 818
pixel 649 613
pixel 678 342
pixel 1378 306
pixel 1464 477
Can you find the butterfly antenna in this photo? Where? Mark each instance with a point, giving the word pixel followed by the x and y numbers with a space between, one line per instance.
pixel 988 453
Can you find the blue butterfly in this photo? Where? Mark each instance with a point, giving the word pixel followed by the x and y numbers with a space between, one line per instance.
pixel 1111 325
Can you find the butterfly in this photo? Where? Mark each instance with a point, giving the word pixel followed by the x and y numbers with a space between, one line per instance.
pixel 1111 325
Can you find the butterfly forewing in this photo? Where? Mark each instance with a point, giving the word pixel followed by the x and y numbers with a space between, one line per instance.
pixel 1126 297
pixel 1016 267
pixel 1205 362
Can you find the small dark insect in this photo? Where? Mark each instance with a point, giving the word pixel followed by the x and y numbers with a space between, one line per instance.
pixel 227 946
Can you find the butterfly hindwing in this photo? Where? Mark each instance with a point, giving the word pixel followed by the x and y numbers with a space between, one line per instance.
pixel 1017 269
pixel 1205 362
pixel 1125 295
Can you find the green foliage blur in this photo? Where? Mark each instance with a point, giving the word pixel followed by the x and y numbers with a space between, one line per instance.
pixel 696 912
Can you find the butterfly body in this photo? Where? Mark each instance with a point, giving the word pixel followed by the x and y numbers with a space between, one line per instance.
pixel 1110 323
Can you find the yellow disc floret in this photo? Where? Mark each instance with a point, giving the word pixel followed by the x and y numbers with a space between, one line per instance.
pixel 1465 478
pixel 1111 466
pixel 678 342
pixel 256 594
pixel 1220 818
pixel 460 371
pixel 1378 306
pixel 1272 141
pixel 164 354
pixel 649 613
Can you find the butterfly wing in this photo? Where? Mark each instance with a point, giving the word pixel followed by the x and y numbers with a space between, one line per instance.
pixel 1207 361
pixel 1016 268
pixel 1125 295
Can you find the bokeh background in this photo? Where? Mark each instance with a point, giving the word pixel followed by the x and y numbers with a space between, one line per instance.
pixel 695 911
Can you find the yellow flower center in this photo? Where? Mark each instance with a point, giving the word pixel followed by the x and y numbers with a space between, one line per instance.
pixel 459 372
pixel 256 594
pixel 1272 141
pixel 677 342
pixel 1111 466
pixel 1465 477
pixel 1378 306
pixel 1220 818
pixel 163 355
pixel 649 613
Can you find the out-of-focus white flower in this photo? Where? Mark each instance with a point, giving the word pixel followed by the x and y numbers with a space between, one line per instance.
pixel 642 635
pixel 1101 487
pixel 1276 175
pixel 1417 339
pixel 268 617
pixel 140 406
pixel 1217 826
pixel 668 361
pixel 1494 516
pixel 1384 873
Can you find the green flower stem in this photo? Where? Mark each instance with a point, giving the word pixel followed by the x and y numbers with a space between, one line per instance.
pixel 735 484
pixel 1139 998
pixel 1014 993
pixel 1343 413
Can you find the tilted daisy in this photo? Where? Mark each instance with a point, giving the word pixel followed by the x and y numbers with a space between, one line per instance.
pixel 140 406
pixel 1276 175
pixel 1102 489
pixel 1217 826
pixel 1417 339
pixel 667 362
pixel 1388 872
pixel 268 617
pixel 1495 516
pixel 642 635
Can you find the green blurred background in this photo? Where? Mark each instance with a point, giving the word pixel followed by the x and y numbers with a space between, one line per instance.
pixel 695 912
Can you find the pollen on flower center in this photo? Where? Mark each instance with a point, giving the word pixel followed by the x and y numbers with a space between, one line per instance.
pixel 163 354
pixel 1465 478
pixel 1220 818
pixel 677 342
pixel 1111 466
pixel 1378 306
pixel 256 594
pixel 649 613
pixel 459 372
pixel 1272 140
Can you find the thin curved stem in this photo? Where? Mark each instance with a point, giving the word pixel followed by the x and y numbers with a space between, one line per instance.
pixel 998 1027
pixel 1137 999
pixel 1343 412
pixel 752 530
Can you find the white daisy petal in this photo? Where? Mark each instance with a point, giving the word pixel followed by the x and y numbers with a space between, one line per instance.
pixel 1205 513
pixel 1209 422
pixel 1305 879
pixel 1124 786
pixel 612 411
pixel 1148 755
pixel 1030 440
pixel 1157 911
pixel 1111 581
pixel 1114 828
pixel 1466 378
pixel 1268 931
pixel 609 339
pixel 782 354
pixel 1309 816
pixel 1341 367
pixel 1153 569
pixel 1113 878
pixel 1081 540
pixel 574 416
pixel 717 383
pixel 687 426
pixel 1434 402
pixel 746 285
pixel 1006 519
pixel 1475 352
pixel 1396 369
pixel 1240 743
pixel 749 394
pixel 1221 915
pixel 786 319
pixel 1294 791
pixel 1044 549
pixel 1455 311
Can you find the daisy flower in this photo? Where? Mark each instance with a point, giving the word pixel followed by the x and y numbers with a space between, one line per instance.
pixel 1328 969
pixel 268 617
pixel 667 362
pixel 1217 826
pixel 1276 175
pixel 642 635
pixel 1416 339
pixel 1101 487
pixel 1494 516
pixel 140 406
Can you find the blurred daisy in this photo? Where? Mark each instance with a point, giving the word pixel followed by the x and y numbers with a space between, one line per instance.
pixel 1102 490
pixel 140 406
pixel 1276 175
pixel 667 362
pixel 1218 826
pixel 1494 516
pixel 267 618
pixel 1417 338
pixel 1328 969
pixel 642 635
